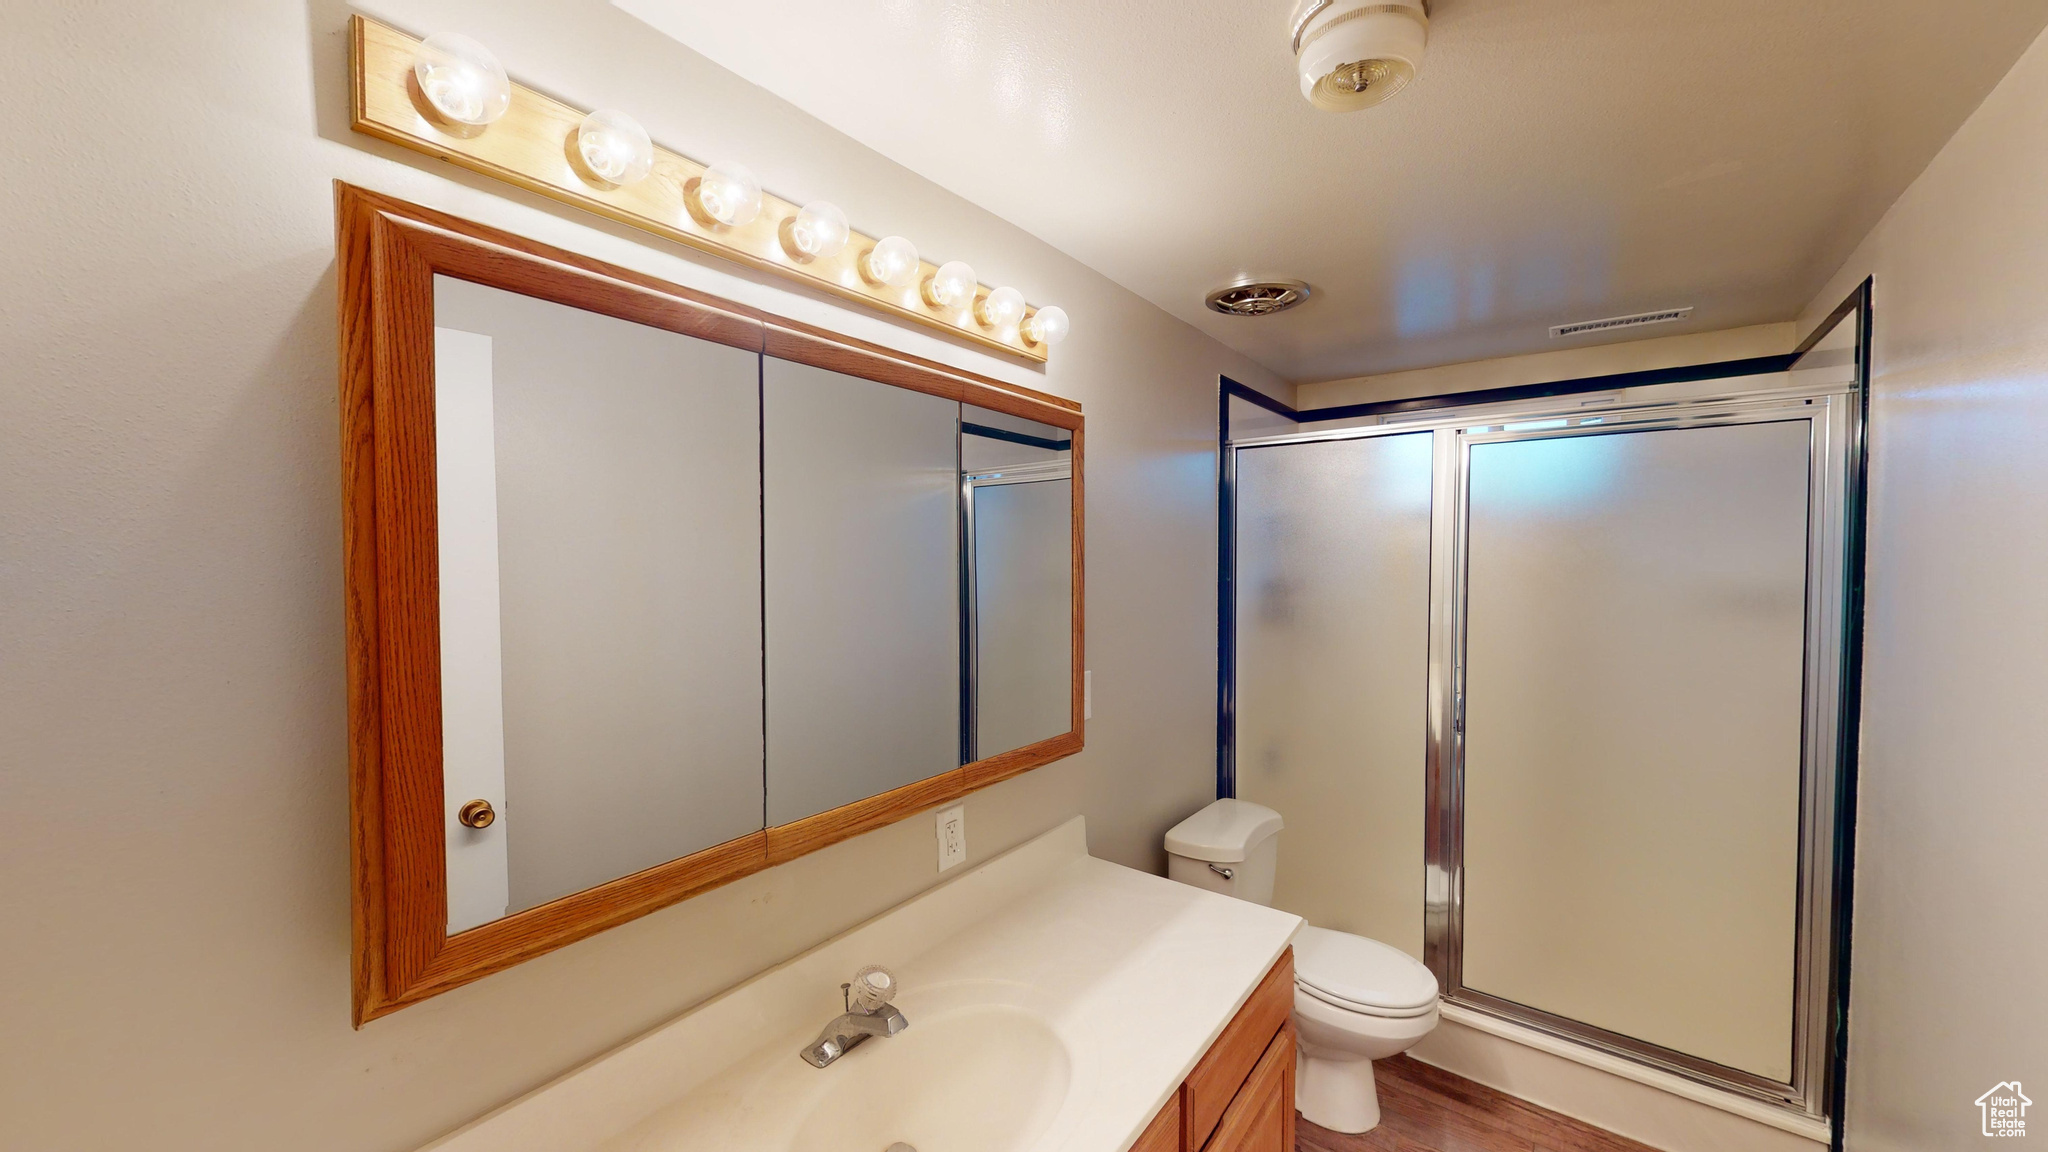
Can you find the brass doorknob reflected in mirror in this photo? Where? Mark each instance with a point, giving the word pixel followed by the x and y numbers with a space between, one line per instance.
pixel 477 814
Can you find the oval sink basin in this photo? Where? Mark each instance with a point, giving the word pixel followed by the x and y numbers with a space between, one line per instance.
pixel 973 1077
pixel 983 1067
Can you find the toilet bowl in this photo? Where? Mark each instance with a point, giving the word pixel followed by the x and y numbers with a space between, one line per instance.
pixel 1355 1000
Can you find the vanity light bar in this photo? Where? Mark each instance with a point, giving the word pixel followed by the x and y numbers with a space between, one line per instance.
pixel 449 98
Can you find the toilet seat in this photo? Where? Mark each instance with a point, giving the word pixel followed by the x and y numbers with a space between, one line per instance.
pixel 1361 975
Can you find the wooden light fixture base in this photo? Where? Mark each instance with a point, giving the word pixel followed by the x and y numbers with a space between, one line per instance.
pixel 534 146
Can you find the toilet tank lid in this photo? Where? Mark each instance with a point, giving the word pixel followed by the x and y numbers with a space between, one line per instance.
pixel 1224 832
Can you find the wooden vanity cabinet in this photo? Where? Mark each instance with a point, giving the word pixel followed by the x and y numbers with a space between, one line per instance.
pixel 1240 1097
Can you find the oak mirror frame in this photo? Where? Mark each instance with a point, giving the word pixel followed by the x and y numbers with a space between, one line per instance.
pixel 389 255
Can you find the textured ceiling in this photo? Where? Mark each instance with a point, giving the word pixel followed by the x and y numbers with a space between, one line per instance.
pixel 1556 160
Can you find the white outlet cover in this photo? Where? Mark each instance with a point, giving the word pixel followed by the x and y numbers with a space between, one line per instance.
pixel 952 830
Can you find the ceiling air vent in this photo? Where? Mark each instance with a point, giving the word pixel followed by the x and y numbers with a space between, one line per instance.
pixel 1612 322
pixel 1257 297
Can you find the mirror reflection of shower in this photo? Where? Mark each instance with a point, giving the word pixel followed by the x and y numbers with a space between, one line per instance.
pixel 1016 582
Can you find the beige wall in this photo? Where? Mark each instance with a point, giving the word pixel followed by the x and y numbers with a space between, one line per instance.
pixel 173 855
pixel 1562 364
pixel 1951 931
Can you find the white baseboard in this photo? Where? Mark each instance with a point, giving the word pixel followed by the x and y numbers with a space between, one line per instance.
pixel 1645 1104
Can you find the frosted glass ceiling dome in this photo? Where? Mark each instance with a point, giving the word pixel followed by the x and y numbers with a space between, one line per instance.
pixel 1352 54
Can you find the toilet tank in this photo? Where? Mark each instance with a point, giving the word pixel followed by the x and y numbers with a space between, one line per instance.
pixel 1232 847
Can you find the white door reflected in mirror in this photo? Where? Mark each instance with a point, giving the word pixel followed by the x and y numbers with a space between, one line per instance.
pixel 472 665
pixel 599 596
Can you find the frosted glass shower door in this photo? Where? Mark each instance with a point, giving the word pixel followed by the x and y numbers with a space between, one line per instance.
pixel 1634 667
pixel 1333 541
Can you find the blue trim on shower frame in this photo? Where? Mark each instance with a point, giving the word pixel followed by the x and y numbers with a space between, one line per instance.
pixel 1848 731
pixel 1226 580
pixel 991 433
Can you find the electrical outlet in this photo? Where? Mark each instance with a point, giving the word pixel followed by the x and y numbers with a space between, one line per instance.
pixel 952 836
pixel 1087 695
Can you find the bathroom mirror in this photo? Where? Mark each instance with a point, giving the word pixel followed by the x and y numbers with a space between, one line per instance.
pixel 649 590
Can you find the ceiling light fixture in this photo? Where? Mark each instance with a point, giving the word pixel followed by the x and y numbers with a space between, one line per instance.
pixel 461 79
pixel 1257 297
pixel 1352 54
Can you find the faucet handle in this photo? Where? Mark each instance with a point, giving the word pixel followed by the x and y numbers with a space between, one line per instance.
pixel 893 1020
pixel 873 988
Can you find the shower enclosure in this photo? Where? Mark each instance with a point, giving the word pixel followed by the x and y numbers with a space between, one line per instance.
pixel 1551 687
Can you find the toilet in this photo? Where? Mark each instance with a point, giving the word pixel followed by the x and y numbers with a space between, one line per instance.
pixel 1355 1000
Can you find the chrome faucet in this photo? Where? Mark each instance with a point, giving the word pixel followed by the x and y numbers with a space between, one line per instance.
pixel 875 1017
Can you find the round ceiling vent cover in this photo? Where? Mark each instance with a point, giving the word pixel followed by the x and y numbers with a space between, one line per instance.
pixel 1257 297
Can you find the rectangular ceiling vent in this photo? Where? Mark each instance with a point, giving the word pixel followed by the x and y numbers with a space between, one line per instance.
pixel 1612 322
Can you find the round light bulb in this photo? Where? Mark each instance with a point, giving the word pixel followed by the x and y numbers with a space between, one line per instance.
pixel 614 146
pixel 892 261
pixel 461 79
pixel 818 232
pixel 1047 326
pixel 729 194
pixel 951 286
pixel 1000 308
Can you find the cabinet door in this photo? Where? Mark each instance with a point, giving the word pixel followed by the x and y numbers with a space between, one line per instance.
pixel 1261 1117
pixel 1163 1134
pixel 1221 1075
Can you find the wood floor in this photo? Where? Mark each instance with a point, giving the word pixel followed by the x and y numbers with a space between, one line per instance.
pixel 1425 1109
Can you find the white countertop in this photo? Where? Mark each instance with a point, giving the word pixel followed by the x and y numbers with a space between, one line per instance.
pixel 1136 974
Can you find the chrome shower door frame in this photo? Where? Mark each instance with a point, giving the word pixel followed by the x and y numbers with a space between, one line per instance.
pixel 1832 415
